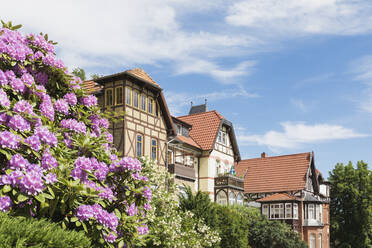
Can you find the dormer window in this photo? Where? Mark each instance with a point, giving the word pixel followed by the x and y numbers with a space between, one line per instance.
pixel 222 137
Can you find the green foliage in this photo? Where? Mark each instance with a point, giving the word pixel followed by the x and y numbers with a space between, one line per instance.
pixel 22 232
pixel 79 72
pixel 95 76
pixel 240 226
pixel 168 225
pixel 351 205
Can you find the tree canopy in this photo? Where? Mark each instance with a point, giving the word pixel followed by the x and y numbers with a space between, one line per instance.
pixel 351 206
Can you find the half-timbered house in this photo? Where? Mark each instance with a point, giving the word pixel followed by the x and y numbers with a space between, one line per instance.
pixel 219 152
pixel 146 123
pixel 289 188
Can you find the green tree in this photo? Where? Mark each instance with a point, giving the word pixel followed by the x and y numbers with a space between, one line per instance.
pixel 79 72
pixel 351 206
pixel 240 226
pixel 95 76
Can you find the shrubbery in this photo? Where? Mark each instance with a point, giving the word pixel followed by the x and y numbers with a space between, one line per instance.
pixel 26 232
pixel 168 225
pixel 56 157
pixel 239 226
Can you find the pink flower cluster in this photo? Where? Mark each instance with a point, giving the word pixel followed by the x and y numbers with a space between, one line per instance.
pixel 74 125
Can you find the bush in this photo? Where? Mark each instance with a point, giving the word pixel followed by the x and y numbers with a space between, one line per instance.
pixel 168 225
pixel 239 226
pixel 24 232
pixel 56 155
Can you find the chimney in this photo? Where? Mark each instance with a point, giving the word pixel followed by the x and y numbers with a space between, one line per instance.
pixel 191 104
pixel 263 155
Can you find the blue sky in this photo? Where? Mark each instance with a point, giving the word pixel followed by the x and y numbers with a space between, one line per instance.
pixel 292 75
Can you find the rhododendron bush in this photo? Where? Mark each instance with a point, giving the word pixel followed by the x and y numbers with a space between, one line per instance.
pixel 57 160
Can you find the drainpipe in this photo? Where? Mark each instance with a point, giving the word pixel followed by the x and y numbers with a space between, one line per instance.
pixel 198 173
pixel 166 159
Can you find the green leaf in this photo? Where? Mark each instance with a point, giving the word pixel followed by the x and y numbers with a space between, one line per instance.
pixel 74 219
pixel 22 198
pixel 40 198
pixel 7 154
pixel 48 196
pixel 7 188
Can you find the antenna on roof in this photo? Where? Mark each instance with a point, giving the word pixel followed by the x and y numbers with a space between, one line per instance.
pixel 206 107
pixel 191 103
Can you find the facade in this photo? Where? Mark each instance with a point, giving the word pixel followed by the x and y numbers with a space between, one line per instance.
pixel 146 123
pixel 219 152
pixel 289 188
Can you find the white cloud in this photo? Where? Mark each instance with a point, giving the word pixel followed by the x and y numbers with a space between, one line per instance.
pixel 179 102
pixel 299 17
pixel 106 34
pixel 297 134
pixel 224 75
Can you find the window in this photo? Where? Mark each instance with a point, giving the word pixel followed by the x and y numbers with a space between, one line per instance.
pixel 150 107
pixel 288 210
pixel 320 240
pixel 319 212
pixel 231 198
pixel 295 211
pixel 135 98
pixel 109 97
pixel 189 160
pixel 178 129
pixel 310 211
pixel 239 200
pixel 143 102
pixel 223 138
pixel 119 95
pixel 139 145
pixel 312 240
pixel 221 198
pixel 219 138
pixel 179 157
pixel 277 211
pixel 265 210
pixel 154 149
pixel 128 96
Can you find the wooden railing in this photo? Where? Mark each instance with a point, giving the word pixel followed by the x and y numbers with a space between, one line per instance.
pixel 229 181
pixel 182 171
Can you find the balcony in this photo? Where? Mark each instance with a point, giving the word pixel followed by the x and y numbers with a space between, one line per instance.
pixel 312 222
pixel 229 181
pixel 182 171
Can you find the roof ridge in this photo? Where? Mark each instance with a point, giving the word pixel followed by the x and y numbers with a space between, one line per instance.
pixel 286 155
pixel 215 111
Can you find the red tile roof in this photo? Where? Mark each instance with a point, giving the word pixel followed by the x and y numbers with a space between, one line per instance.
pixel 188 140
pixel 204 127
pixel 91 87
pixel 274 174
pixel 277 197
pixel 140 73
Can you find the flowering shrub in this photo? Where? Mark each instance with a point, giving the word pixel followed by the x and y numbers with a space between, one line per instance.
pixel 170 226
pixel 56 156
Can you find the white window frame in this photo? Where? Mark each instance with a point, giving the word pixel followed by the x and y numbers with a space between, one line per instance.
pixel 288 211
pixel 221 200
pixel 265 210
pixel 311 211
pixel 312 241
pixel 277 211
pixel 233 200
pixel 295 211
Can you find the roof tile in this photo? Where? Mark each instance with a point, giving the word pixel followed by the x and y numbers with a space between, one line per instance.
pixel 91 87
pixel 204 127
pixel 140 73
pixel 274 174
pixel 277 197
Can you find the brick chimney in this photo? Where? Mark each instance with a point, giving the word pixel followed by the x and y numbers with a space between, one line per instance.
pixel 263 155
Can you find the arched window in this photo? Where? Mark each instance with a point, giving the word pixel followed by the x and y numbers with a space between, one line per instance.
pixel 109 97
pixel 312 240
pixel 239 199
pixel 320 241
pixel 139 145
pixel 221 198
pixel 232 199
